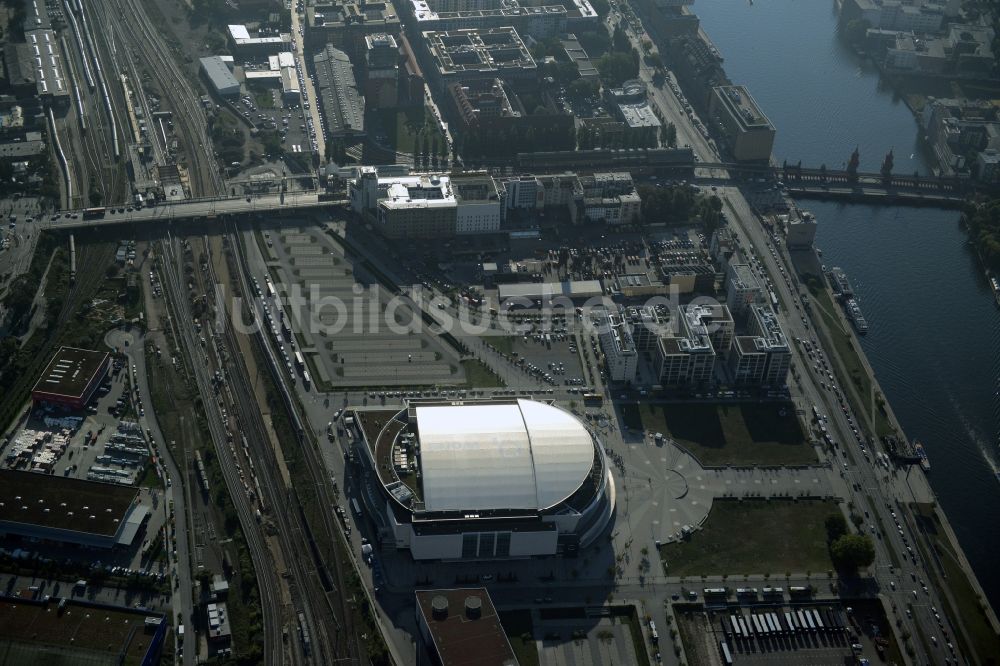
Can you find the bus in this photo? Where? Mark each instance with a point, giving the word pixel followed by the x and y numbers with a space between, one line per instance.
pixel 802 620
pixel 300 362
pixel 727 658
pixel 790 621
pixel 305 378
pixel 799 590
pixel 818 619
pixel 356 506
pixel 93 213
pixel 715 592
pixel 594 399
pixel 270 289
pixel 736 626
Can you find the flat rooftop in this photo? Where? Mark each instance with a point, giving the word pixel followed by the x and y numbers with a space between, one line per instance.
pixel 38 633
pixel 461 640
pixel 478 50
pixel 741 105
pixel 70 372
pixel 64 503
pixel 639 115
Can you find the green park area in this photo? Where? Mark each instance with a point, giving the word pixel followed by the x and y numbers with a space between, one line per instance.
pixel 755 537
pixel 746 433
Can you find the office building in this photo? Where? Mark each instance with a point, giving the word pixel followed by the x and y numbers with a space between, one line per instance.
pixel 576 53
pixel 540 21
pixel 763 357
pixel 610 198
pixel 743 289
pixel 647 324
pixel 470 54
pixel 427 206
pixel 687 355
pixel 632 108
pixel 477 203
pixel 747 133
pixel 346 24
pixel 620 355
pixel 381 71
pixel 800 229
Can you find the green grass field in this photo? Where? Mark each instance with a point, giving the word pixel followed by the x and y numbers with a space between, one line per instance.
pixel 755 537
pixel 403 126
pixel 731 434
pixel 478 375
pixel 517 624
pixel 986 641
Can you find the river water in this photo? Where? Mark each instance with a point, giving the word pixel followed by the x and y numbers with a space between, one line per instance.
pixel 934 340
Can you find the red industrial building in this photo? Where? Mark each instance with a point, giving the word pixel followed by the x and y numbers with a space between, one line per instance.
pixel 71 377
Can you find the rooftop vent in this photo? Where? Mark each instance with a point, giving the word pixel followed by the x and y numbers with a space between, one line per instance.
pixel 473 607
pixel 439 607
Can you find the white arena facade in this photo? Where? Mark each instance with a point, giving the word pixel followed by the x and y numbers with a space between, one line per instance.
pixel 489 479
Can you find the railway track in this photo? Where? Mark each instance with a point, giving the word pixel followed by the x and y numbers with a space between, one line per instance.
pixel 130 20
pixel 263 563
pixel 348 643
pixel 95 134
pixel 309 586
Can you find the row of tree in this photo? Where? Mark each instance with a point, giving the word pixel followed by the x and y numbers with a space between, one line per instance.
pixel 679 204
pixel 982 219
pixel 517 138
pixel 849 552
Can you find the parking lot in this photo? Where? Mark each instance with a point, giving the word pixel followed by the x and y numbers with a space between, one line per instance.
pixel 101 443
pixel 288 119
pixel 590 643
pixel 341 331
pixel 820 634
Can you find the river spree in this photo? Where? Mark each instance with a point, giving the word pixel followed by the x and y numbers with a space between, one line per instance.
pixel 934 340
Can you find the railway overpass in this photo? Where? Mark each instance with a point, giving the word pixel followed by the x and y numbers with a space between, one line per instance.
pixel 194 209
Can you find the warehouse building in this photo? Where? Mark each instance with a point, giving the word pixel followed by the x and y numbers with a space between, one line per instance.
pixel 221 78
pixel 483 479
pixel 71 377
pixel 65 510
pixel 343 104
pixel 246 45
pixel 450 621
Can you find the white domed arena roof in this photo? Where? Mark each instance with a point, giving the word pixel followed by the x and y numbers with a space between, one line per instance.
pixel 479 457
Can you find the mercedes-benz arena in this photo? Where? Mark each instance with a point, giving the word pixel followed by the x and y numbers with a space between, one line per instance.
pixel 483 479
